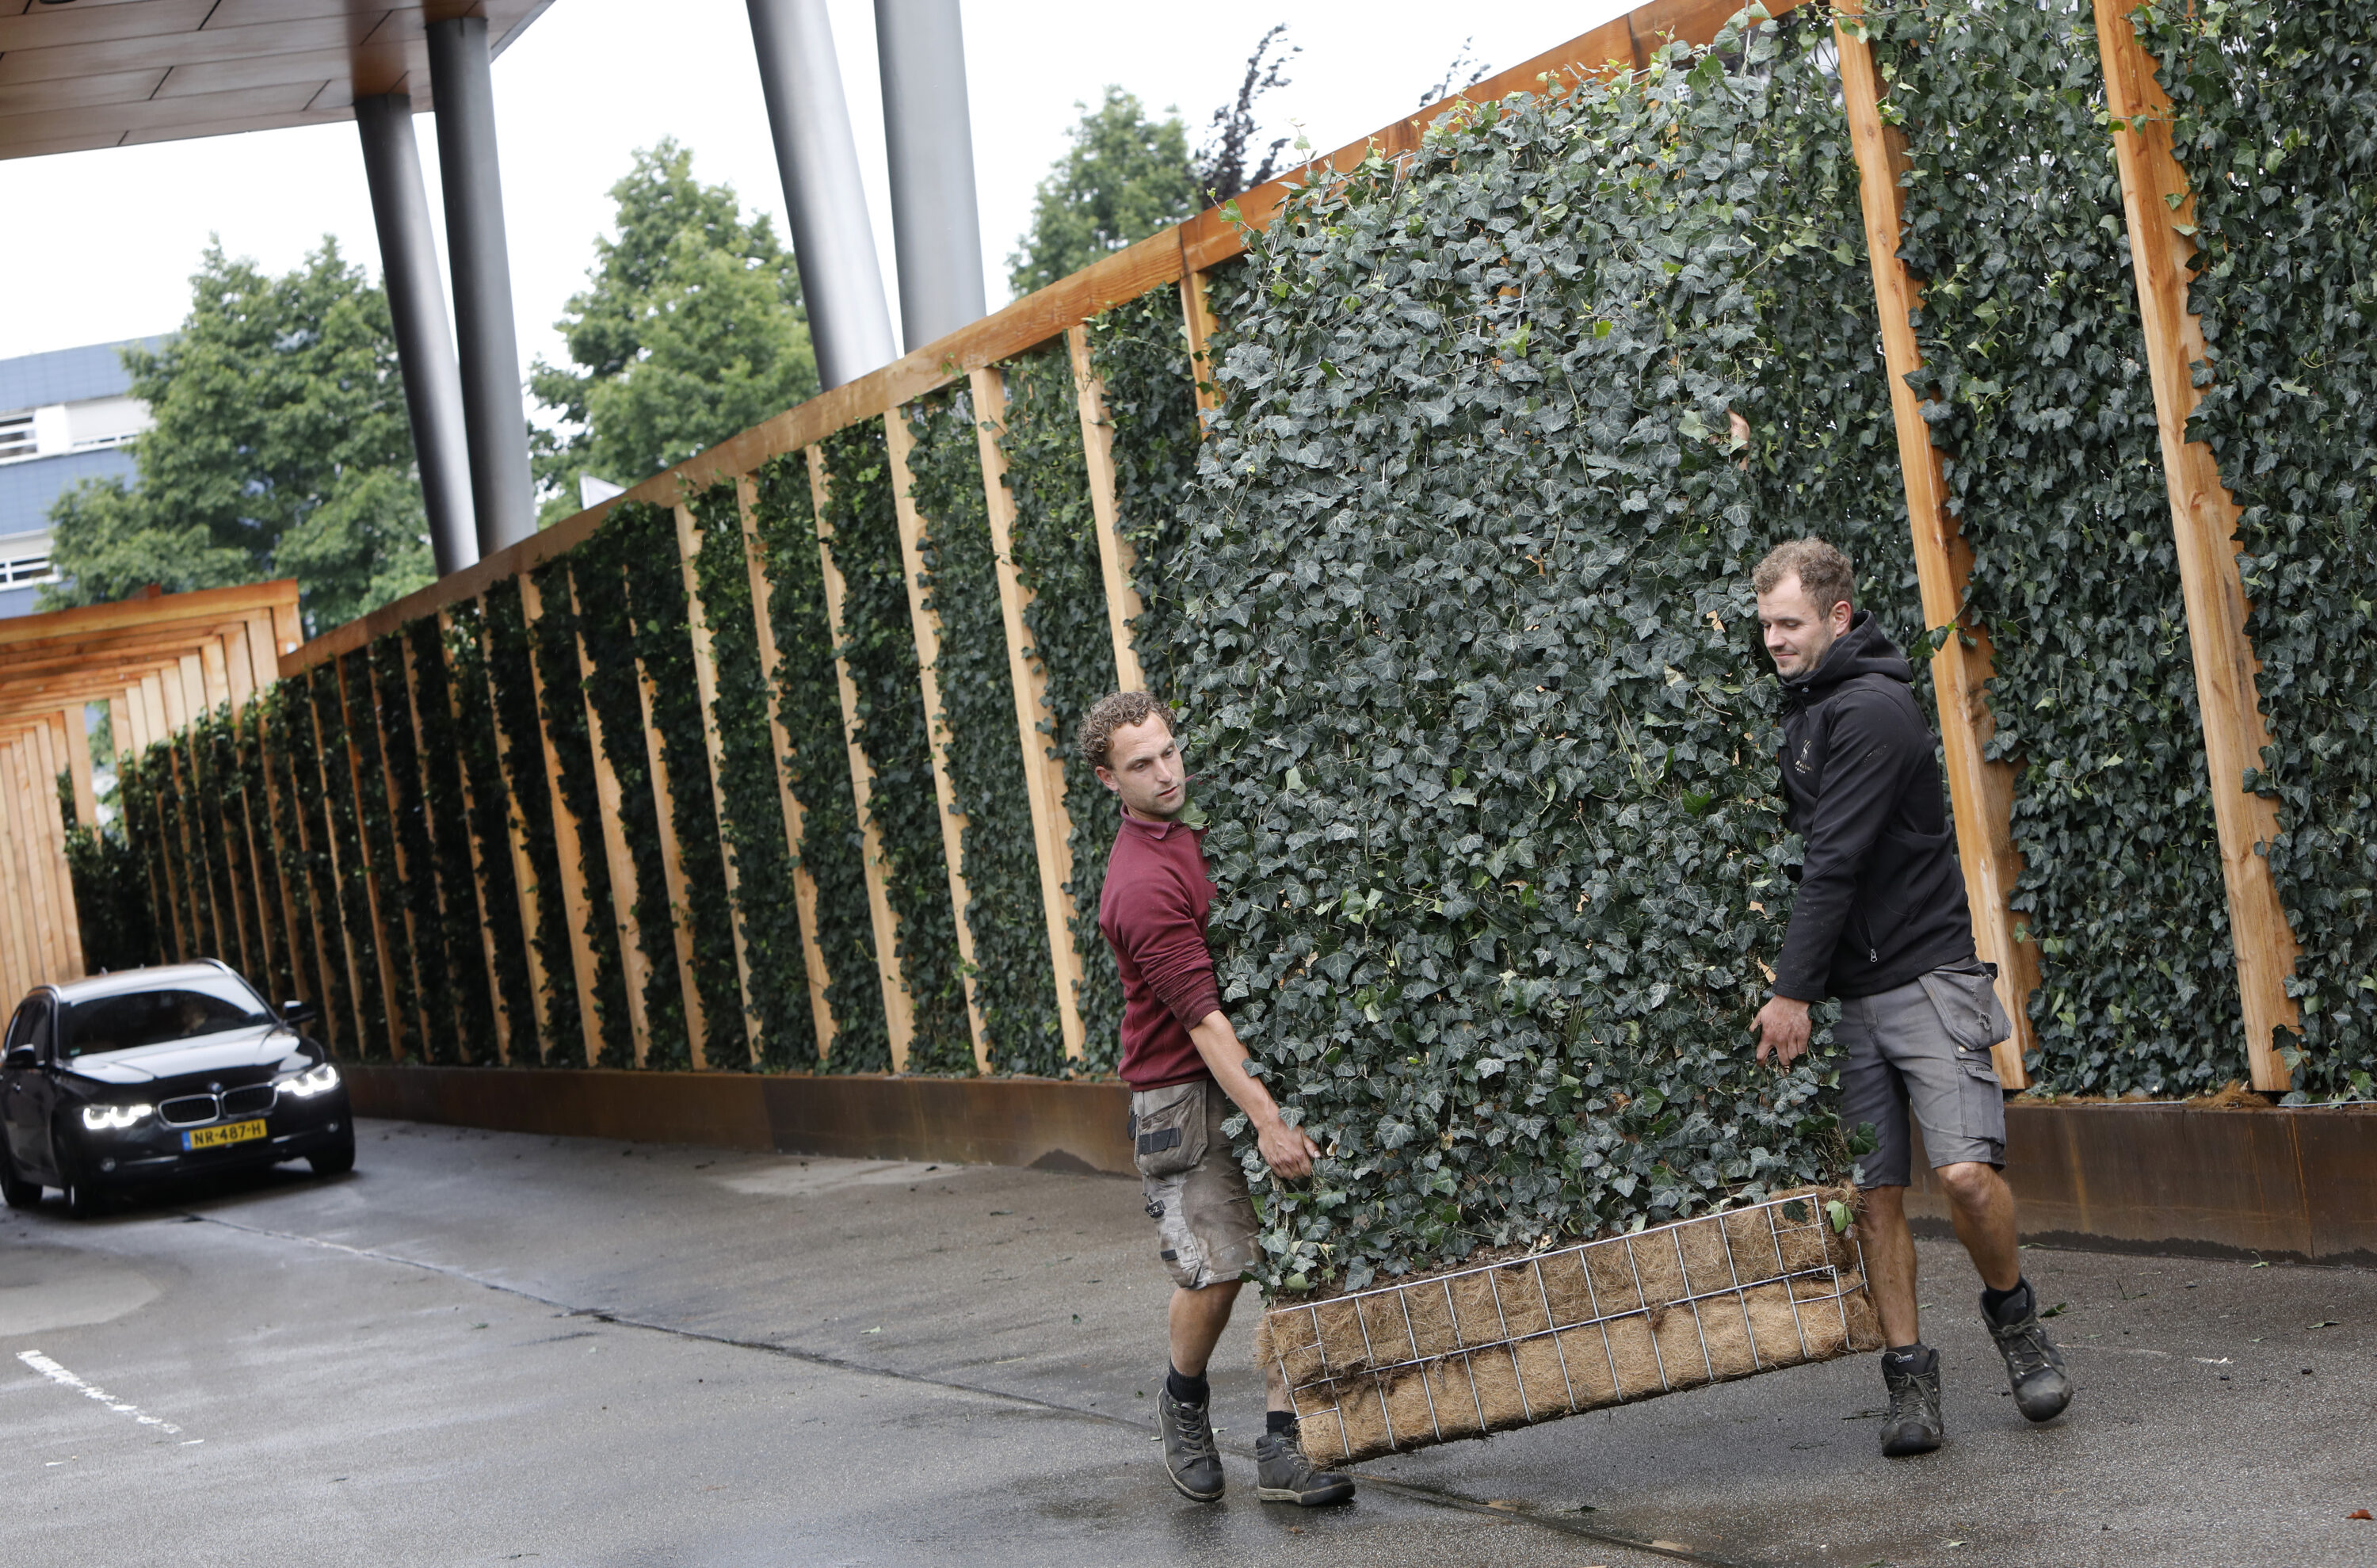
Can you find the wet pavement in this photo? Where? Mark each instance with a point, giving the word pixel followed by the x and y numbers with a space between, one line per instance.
pixel 487 1348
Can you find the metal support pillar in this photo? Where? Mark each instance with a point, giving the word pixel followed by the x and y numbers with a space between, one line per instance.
pixel 833 241
pixel 424 345
pixel 503 494
pixel 935 224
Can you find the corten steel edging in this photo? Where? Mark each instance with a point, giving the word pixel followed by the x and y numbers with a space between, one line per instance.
pixel 2294 1183
pixel 1023 1122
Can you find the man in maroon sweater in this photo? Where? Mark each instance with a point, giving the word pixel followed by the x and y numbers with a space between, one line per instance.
pixel 1181 1058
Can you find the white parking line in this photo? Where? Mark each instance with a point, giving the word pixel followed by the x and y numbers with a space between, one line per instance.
pixel 66 1379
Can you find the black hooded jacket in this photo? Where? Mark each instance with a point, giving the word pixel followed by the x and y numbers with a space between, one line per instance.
pixel 1881 899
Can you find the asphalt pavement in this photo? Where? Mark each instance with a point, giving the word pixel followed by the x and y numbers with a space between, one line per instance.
pixel 487 1348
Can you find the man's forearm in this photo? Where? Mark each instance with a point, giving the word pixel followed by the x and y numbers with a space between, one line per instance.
pixel 1217 1042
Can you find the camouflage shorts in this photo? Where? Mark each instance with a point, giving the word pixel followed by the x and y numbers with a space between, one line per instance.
pixel 1196 1194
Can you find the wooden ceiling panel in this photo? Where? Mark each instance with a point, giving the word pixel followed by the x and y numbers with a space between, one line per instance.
pixel 80 92
pixel 101 73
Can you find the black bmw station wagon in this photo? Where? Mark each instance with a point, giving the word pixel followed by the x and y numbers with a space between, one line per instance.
pixel 145 1074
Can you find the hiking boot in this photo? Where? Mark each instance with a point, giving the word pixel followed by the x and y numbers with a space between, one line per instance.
pixel 2033 1365
pixel 1190 1458
pixel 1283 1474
pixel 1914 1425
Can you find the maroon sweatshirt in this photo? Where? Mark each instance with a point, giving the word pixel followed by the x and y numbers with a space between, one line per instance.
pixel 1152 912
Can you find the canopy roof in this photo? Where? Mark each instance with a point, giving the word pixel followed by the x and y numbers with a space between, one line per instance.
pixel 82 74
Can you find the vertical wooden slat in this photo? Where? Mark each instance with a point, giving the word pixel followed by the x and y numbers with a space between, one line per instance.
pixel 239 670
pixel 567 838
pixel 705 680
pixel 54 763
pixel 214 673
pixel 1043 771
pixel 16 932
pixel 27 786
pixel 405 877
pixel 898 1011
pixel 119 720
pixel 624 894
pixel 28 912
pixel 78 761
pixel 924 622
pixel 771 665
pixel 498 1003
pixel 204 921
pixel 696 1014
pixel 1981 792
pixel 1197 315
pixel 1116 559
pixel 371 896
pixel 338 869
pixel 2161 212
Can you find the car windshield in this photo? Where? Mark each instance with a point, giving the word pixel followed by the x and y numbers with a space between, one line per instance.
pixel 138 1019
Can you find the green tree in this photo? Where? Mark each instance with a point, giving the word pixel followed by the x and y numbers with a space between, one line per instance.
pixel 691 328
pixel 281 448
pixel 1124 178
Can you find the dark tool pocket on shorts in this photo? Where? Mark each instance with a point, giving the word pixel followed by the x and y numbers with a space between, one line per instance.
pixel 1171 1136
pixel 1968 1007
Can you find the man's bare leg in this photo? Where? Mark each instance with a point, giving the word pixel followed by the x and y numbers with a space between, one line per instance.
pixel 1889 1252
pixel 1982 1207
pixel 1198 1319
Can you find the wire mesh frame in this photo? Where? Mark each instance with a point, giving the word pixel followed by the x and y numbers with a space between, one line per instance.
pixel 1377 1375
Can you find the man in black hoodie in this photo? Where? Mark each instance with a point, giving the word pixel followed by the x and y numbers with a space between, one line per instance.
pixel 1881 923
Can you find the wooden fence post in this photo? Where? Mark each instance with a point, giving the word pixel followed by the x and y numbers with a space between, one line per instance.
pixel 1115 558
pixel 899 1014
pixel 567 838
pixel 705 681
pixel 405 880
pixel 615 854
pixel 32 899
pixel 771 663
pixel 925 623
pixel 391 1016
pixel 1043 770
pixel 2161 211
pixel 498 1003
pixel 1980 791
pixel 26 786
pixel 1197 315
pixel 16 951
pixel 78 729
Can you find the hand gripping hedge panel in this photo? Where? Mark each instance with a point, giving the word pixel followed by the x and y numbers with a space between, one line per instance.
pixel 1532 1338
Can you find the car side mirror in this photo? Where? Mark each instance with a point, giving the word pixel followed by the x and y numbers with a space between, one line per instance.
pixel 299 1013
pixel 23 1059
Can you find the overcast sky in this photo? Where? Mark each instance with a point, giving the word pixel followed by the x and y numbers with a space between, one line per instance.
pixel 101 245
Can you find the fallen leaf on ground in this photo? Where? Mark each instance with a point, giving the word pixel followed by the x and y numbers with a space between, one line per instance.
pixel 2358 1514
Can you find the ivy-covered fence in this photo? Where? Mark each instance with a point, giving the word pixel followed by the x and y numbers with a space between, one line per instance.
pixel 1430 484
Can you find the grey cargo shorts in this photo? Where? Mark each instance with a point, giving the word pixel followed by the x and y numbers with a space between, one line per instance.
pixel 1924 1046
pixel 1196 1194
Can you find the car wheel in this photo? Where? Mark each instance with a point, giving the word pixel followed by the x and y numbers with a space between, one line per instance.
pixel 338 1159
pixel 17 1191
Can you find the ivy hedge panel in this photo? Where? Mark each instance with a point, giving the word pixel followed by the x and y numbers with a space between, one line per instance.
pixel 2271 119
pixel 752 814
pixel 477 749
pixel 598 577
pixel 1013 985
pixel 1140 351
pixel 513 700
pixel 665 645
pixel 1492 814
pixel 1055 543
pixel 562 715
pixel 2035 388
pixel 879 648
pixel 817 760
pixel 439 760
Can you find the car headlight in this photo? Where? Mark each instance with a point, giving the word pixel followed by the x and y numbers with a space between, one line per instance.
pixel 319 1080
pixel 107 1119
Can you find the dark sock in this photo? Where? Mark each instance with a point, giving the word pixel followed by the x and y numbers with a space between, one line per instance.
pixel 1993 1301
pixel 1279 1423
pixel 1914 1358
pixel 1184 1390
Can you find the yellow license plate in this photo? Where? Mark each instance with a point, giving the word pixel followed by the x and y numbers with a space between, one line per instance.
pixel 231 1133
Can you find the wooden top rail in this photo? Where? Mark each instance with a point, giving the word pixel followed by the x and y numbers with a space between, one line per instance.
pixel 1205 241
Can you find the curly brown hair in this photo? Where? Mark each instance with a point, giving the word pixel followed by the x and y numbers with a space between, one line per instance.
pixel 1821 568
pixel 1111 712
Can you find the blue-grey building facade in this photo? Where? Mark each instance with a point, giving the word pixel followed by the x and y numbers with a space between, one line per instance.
pixel 65 416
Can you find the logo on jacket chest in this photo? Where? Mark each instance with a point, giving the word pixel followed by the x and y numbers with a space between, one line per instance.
pixel 1800 763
